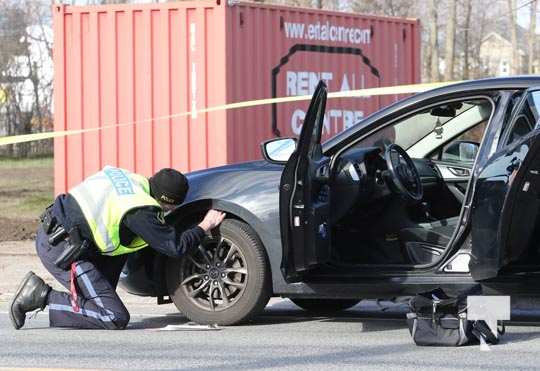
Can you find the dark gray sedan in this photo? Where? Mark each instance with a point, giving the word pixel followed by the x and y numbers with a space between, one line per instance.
pixel 440 189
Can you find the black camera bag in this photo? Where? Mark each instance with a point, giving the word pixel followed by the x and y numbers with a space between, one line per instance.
pixel 436 319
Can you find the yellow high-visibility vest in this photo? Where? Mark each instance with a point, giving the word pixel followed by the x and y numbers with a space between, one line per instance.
pixel 105 198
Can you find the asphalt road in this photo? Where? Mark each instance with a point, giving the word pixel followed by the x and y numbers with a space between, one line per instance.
pixel 284 337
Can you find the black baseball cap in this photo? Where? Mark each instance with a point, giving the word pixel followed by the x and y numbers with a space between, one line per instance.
pixel 169 186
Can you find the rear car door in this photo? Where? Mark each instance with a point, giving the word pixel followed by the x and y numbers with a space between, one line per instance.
pixel 305 197
pixel 506 205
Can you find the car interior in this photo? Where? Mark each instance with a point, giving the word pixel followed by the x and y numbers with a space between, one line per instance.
pixel 398 223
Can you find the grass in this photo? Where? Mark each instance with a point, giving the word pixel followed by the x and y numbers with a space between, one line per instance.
pixel 26 187
pixel 18 163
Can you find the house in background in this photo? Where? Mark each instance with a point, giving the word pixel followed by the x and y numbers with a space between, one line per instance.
pixel 496 55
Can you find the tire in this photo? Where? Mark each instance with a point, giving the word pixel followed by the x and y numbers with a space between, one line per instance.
pixel 235 288
pixel 325 306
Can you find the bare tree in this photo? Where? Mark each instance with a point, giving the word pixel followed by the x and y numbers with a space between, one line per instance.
pixel 479 28
pixel 399 8
pixel 318 4
pixel 25 71
pixel 513 36
pixel 532 37
pixel 466 40
pixel 450 40
pixel 394 8
pixel 434 74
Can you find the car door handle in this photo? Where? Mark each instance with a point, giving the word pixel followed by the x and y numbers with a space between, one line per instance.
pixel 457 171
pixel 322 174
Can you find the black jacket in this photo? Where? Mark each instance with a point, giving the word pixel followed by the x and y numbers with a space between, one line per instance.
pixel 145 222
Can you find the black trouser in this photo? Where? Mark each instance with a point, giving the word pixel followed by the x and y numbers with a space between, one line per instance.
pixel 99 307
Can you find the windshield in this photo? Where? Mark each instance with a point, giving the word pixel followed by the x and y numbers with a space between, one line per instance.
pixel 409 131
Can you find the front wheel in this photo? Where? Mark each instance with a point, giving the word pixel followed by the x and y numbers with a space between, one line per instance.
pixel 226 280
pixel 325 306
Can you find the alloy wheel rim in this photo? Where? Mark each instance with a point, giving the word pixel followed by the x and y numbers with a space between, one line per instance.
pixel 214 276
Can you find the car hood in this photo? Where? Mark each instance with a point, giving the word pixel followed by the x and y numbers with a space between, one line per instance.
pixel 232 168
pixel 234 182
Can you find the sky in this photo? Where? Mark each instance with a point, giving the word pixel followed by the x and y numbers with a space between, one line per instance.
pixel 523 6
pixel 524 13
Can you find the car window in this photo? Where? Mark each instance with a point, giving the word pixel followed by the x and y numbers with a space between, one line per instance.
pixel 464 147
pixel 407 132
pixel 422 132
pixel 525 120
pixel 474 134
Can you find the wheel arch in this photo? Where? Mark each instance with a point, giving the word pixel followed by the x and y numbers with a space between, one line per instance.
pixel 198 208
pixel 191 213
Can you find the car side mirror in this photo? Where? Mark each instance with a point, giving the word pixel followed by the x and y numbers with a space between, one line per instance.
pixel 278 150
pixel 460 151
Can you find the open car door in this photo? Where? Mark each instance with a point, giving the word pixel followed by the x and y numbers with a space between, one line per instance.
pixel 506 206
pixel 304 200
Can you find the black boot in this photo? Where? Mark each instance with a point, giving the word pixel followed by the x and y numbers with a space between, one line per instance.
pixel 31 295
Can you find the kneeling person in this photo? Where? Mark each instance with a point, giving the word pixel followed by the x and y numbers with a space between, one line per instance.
pixel 85 237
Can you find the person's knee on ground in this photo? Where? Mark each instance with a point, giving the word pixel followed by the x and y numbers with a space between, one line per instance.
pixel 121 320
pixel 117 320
pixel 96 289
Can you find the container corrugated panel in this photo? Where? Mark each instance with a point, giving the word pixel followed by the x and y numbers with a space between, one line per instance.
pixel 277 52
pixel 145 64
pixel 122 64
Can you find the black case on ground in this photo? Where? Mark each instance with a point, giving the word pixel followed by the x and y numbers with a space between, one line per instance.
pixel 437 320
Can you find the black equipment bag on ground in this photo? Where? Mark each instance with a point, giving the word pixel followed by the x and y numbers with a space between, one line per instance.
pixel 439 320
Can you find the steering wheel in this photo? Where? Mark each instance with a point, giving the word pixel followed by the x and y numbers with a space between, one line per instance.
pixel 403 173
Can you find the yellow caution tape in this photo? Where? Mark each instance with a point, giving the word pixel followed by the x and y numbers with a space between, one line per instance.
pixel 388 90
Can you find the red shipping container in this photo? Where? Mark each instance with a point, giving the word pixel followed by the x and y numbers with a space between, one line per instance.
pixel 119 64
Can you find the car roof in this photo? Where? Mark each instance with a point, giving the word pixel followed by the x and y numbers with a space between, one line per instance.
pixel 489 84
